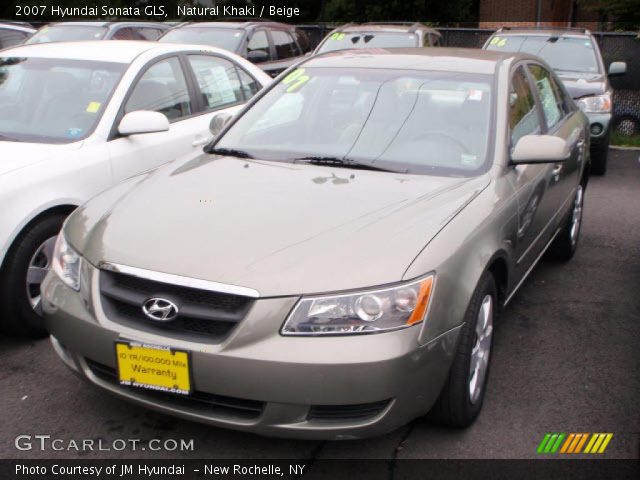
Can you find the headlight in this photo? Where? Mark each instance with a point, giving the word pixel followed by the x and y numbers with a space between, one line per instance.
pixel 595 104
pixel 368 311
pixel 66 263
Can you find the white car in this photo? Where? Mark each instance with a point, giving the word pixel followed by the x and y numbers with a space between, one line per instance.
pixel 77 118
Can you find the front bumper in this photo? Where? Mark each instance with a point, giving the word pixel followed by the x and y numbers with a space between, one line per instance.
pixel 598 128
pixel 315 388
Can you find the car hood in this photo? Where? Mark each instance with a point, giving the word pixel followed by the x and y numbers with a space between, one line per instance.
pixel 18 155
pixel 279 228
pixel 581 85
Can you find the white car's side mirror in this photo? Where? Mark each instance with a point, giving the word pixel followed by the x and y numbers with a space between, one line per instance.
pixel 218 122
pixel 617 68
pixel 540 149
pixel 143 121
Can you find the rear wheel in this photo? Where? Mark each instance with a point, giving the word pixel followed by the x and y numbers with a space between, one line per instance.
pixel 462 396
pixel 25 267
pixel 566 243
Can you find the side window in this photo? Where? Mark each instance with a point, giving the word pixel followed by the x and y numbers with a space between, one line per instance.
pixel 259 42
pixel 303 40
pixel 127 33
pixel 284 44
pixel 523 115
pixel 9 38
pixel 151 34
pixel 552 111
pixel 249 84
pixel 561 98
pixel 162 88
pixel 218 81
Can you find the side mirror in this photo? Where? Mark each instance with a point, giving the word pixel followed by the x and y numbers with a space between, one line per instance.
pixel 143 121
pixel 617 68
pixel 218 122
pixel 540 149
pixel 257 56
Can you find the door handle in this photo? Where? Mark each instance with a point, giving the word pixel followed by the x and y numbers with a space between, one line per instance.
pixel 200 142
pixel 557 170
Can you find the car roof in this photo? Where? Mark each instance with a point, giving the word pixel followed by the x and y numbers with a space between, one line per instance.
pixel 235 25
pixel 463 60
pixel 118 51
pixel 544 32
pixel 106 24
pixel 401 27
pixel 16 26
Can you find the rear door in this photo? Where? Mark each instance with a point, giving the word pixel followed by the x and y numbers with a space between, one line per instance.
pixel 286 52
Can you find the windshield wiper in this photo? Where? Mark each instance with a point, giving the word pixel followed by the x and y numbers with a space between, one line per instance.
pixel 339 162
pixel 232 152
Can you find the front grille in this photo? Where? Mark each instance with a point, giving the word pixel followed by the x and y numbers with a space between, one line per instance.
pixel 360 411
pixel 201 401
pixel 204 312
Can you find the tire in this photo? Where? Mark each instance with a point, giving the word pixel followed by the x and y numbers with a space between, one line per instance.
pixel 599 157
pixel 17 315
pixel 461 400
pixel 565 244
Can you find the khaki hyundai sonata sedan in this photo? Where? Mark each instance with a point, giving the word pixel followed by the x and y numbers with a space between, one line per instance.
pixel 335 262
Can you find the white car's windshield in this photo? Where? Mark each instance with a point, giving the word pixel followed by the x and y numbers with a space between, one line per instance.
pixel 405 121
pixel 49 100
pixel 67 33
pixel 226 38
pixel 345 41
pixel 564 54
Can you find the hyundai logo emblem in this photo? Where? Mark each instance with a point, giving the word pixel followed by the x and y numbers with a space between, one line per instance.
pixel 160 309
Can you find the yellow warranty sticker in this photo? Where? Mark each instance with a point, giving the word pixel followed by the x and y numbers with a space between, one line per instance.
pixel 93 107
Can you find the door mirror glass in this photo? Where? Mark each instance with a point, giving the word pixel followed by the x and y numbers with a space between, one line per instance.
pixel 540 149
pixel 218 122
pixel 617 68
pixel 143 121
pixel 257 56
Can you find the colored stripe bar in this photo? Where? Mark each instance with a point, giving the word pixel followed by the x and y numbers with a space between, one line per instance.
pixel 575 442
pixel 567 442
pixel 591 442
pixel 581 443
pixel 555 447
pixel 605 442
pixel 543 443
pixel 550 443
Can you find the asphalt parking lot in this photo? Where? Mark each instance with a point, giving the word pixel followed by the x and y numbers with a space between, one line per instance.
pixel 566 359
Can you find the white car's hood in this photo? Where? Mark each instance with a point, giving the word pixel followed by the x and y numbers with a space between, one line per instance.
pixel 17 155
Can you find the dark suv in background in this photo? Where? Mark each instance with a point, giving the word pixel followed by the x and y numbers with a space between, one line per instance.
pixel 79 31
pixel 379 35
pixel 574 55
pixel 274 46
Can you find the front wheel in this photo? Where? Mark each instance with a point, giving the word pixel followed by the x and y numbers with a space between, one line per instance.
pixel 462 396
pixel 25 267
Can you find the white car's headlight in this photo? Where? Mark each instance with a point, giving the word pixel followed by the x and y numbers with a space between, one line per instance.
pixel 595 104
pixel 66 263
pixel 370 311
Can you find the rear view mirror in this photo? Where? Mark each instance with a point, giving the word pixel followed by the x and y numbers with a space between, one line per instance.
pixel 143 121
pixel 218 122
pixel 257 56
pixel 540 149
pixel 617 68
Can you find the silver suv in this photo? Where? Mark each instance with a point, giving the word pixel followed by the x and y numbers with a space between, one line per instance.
pixel 574 55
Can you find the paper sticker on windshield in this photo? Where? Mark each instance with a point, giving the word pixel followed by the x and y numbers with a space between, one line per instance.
pixel 475 95
pixel 74 132
pixel 295 80
pixel 498 41
pixel 337 36
pixel 468 160
pixel 93 107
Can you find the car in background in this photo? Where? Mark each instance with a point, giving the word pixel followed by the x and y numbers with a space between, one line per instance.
pixel 12 34
pixel 379 35
pixel 334 264
pixel 274 46
pixel 78 118
pixel 574 55
pixel 81 31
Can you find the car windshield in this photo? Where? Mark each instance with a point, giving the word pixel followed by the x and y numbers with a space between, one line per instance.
pixel 564 54
pixel 53 100
pixel 67 33
pixel 345 41
pixel 400 120
pixel 226 38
